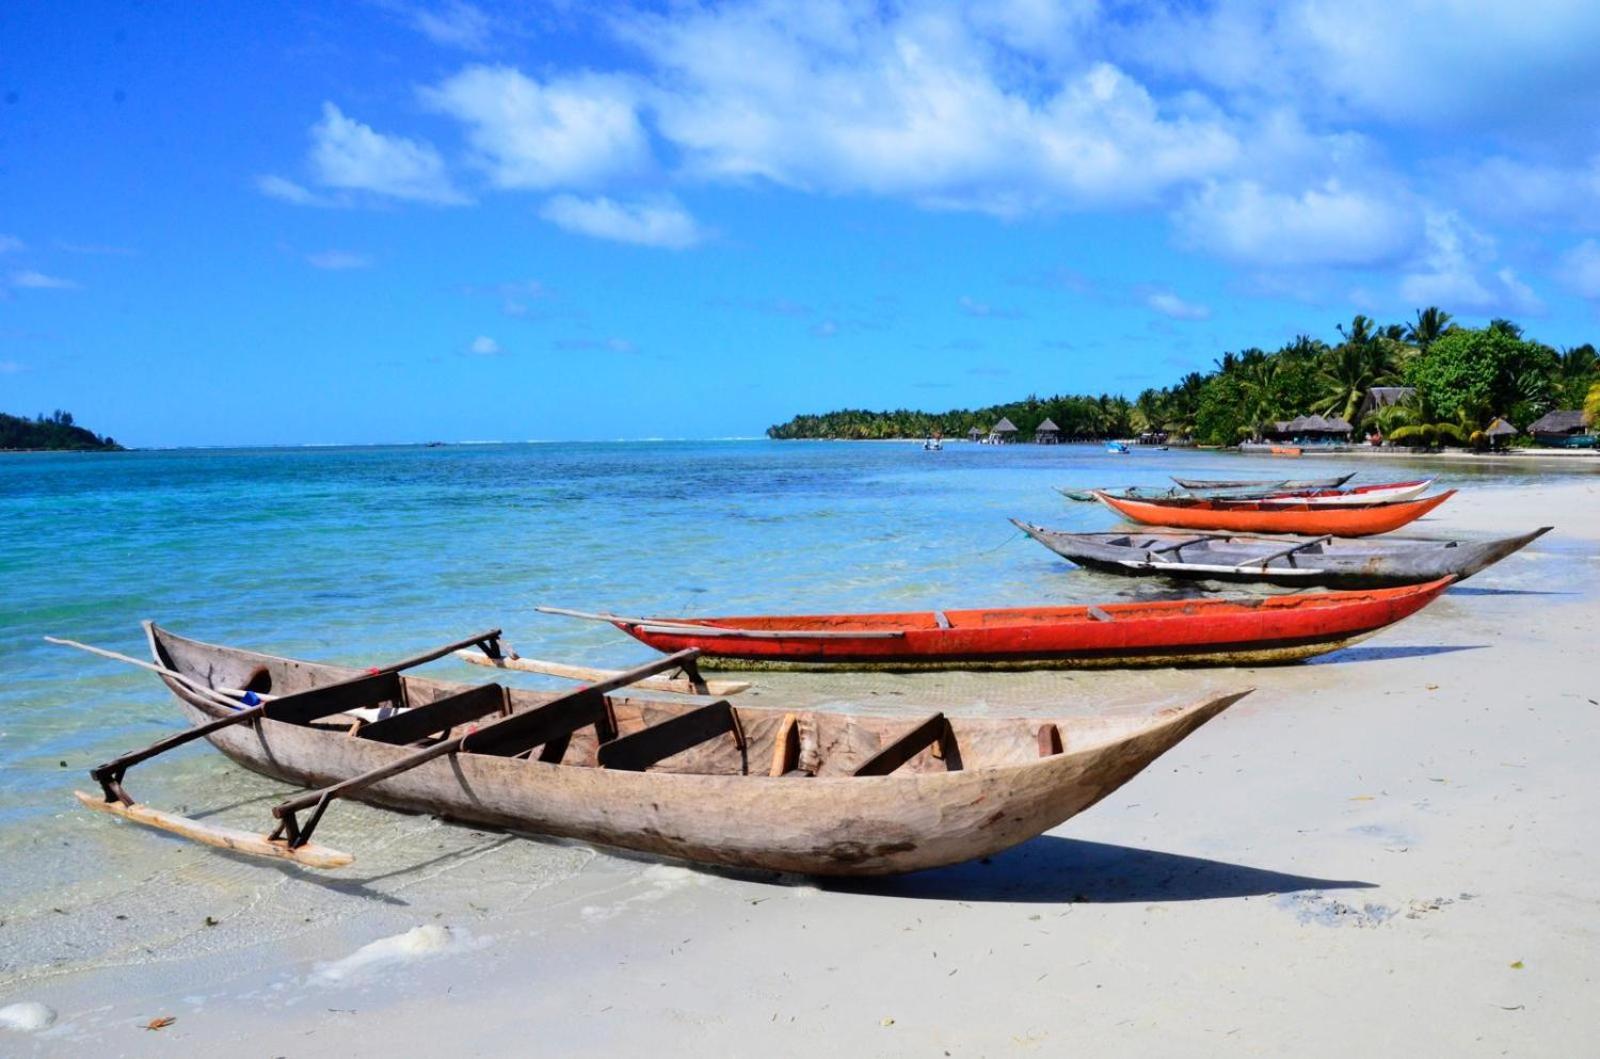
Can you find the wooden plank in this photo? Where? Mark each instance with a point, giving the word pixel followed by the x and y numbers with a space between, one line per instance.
pixel 908 746
pixel 786 746
pixel 677 685
pixel 543 724
pixel 637 752
pixel 309 855
pixel 305 706
pixel 1049 740
pixel 440 715
pixel 1282 552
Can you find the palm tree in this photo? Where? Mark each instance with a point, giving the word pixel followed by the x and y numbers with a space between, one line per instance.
pixel 1349 370
pixel 1577 369
pixel 1360 332
pixel 1431 323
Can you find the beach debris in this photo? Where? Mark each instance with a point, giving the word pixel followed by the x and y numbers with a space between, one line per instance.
pixel 161 1022
pixel 28 1016
pixel 212 921
pixel 418 943
pixel 1516 965
pixel 1322 910
pixel 887 1022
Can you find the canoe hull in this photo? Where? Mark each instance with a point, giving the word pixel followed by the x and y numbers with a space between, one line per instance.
pixel 831 825
pixel 1313 520
pixel 1184 632
pixel 1339 564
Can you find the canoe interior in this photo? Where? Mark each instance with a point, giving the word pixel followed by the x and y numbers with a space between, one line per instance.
pixel 820 743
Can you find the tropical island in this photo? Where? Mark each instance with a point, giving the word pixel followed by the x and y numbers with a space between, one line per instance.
pixel 1424 383
pixel 55 432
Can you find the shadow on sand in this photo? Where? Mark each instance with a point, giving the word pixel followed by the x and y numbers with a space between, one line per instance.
pixel 1051 868
pixel 1378 654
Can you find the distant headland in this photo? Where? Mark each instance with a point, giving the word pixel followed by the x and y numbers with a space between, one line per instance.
pixel 55 432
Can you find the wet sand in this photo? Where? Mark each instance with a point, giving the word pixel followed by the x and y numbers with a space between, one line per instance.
pixel 1391 849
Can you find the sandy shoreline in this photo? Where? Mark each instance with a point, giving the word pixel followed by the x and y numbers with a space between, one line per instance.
pixel 1390 850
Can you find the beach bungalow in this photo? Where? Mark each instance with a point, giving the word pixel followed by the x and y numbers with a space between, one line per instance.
pixel 1002 432
pixel 1378 397
pixel 1499 433
pixel 974 434
pixel 1047 433
pixel 1564 429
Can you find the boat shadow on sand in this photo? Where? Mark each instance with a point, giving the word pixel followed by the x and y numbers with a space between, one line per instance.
pixel 1378 654
pixel 1055 869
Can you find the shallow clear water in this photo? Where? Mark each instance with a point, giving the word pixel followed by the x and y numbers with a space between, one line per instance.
pixel 366 555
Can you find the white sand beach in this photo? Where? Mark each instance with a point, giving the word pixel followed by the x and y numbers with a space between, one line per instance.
pixel 1390 851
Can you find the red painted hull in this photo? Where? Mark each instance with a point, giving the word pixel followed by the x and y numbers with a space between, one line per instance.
pixel 1245 516
pixel 1201 632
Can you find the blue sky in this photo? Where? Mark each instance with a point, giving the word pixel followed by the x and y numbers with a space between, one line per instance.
pixel 397 221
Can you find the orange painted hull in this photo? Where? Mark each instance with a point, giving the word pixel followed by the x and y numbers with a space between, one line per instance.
pixel 1239 631
pixel 1244 516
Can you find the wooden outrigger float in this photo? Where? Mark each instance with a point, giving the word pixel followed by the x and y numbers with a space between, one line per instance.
pixel 1240 631
pixel 1332 562
pixel 815 792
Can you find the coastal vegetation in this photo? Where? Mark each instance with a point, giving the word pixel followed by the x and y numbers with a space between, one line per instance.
pixel 1440 383
pixel 55 431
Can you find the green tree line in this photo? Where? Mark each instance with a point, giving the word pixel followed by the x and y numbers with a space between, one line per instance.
pixel 1462 379
pixel 55 431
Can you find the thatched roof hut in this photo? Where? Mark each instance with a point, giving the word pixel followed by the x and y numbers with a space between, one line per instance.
pixel 1005 426
pixel 974 434
pixel 1378 397
pixel 1047 433
pixel 1500 429
pixel 1567 421
pixel 1337 425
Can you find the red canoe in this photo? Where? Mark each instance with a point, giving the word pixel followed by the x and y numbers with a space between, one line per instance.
pixel 1255 516
pixel 1240 631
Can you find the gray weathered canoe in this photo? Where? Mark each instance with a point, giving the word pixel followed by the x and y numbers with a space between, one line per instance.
pixel 1205 484
pixel 1333 562
pixel 776 791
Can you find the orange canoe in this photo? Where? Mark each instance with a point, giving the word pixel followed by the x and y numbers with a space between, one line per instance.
pixel 1250 516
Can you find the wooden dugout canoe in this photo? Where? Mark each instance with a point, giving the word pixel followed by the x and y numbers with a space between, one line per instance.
pixel 814 792
pixel 1330 562
pixel 1241 631
pixel 1212 484
pixel 1255 516
pixel 1384 493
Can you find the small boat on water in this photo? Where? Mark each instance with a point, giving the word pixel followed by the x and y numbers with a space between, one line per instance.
pixel 810 791
pixel 1289 485
pixel 1244 631
pixel 1284 450
pixel 1331 562
pixel 1119 448
pixel 1265 516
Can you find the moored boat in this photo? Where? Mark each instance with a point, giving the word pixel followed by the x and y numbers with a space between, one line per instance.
pixel 815 792
pixel 1333 562
pixel 1244 631
pixel 1260 516
pixel 1383 493
pixel 1212 484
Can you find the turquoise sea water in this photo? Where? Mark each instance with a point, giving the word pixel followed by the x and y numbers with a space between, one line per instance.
pixel 365 555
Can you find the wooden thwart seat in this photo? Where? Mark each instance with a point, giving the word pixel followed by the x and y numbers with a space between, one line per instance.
pixel 368 690
pixel 440 715
pixel 550 726
pixel 637 752
pixel 935 732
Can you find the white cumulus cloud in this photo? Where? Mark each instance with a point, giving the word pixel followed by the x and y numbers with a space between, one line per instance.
pixel 652 222
pixel 1579 269
pixel 338 260
pixel 1169 304
pixel 1457 269
pixel 455 25
pixel 28 279
pixel 1330 224
pixel 572 132
pixel 347 154
pixel 484 346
